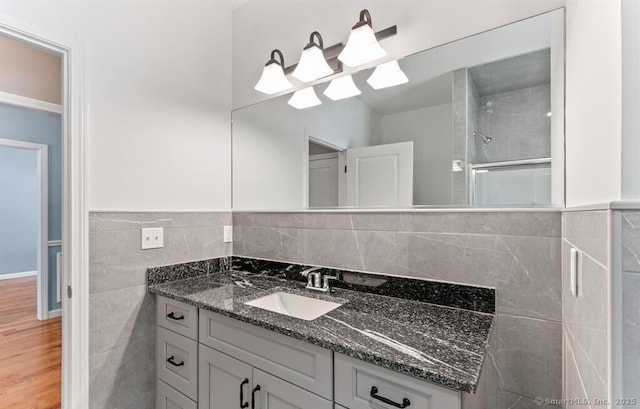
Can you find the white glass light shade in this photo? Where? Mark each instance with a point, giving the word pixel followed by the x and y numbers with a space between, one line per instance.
pixel 312 65
pixel 386 75
pixel 342 88
pixel 362 47
pixel 272 80
pixel 304 98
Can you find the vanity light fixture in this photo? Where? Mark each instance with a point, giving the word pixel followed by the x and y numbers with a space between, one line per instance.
pixel 273 79
pixel 341 88
pixel 387 75
pixel 362 46
pixel 313 64
pixel 304 98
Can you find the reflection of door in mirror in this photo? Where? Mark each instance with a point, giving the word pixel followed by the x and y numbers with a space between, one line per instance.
pixel 380 175
pixel 323 176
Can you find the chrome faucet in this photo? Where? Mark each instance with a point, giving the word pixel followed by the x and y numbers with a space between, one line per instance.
pixel 316 280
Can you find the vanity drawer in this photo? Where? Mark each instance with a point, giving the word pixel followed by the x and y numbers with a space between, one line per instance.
pixel 302 364
pixel 169 398
pixel 356 380
pixel 177 362
pixel 178 316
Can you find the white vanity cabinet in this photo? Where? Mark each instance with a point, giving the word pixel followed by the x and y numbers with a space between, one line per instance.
pixel 217 362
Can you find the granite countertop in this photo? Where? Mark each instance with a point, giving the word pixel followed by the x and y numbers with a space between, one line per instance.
pixel 436 343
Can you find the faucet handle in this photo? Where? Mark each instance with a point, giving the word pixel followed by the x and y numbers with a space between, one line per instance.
pixel 325 282
pixel 305 273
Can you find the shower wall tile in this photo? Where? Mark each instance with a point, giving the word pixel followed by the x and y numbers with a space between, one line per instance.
pixel 121 312
pixel 459 135
pixel 518 124
pixel 518 253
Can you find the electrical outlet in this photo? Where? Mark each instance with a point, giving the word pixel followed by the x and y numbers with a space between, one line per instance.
pixel 228 234
pixel 152 238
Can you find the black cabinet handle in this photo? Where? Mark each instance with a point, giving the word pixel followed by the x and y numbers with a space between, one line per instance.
pixel 243 404
pixel 173 316
pixel 253 396
pixel 174 363
pixel 374 394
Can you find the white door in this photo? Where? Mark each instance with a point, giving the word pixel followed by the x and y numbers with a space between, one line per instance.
pixel 380 175
pixel 323 180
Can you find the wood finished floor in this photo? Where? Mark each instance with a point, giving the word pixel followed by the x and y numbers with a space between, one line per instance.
pixel 30 370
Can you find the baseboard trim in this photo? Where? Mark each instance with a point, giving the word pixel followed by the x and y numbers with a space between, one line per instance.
pixel 18 275
pixel 55 313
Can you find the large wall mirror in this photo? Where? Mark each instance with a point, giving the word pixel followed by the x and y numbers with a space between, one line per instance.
pixel 479 123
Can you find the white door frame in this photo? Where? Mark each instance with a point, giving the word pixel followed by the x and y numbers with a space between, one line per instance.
pixel 75 218
pixel 43 220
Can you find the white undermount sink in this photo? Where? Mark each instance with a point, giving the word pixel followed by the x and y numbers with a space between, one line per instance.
pixel 293 305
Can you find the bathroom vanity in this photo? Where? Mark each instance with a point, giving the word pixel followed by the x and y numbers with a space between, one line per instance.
pixel 375 349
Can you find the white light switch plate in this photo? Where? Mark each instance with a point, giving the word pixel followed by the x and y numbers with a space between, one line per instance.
pixel 152 238
pixel 228 234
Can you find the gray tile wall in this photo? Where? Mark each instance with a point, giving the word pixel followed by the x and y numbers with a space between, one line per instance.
pixel 459 136
pixel 517 253
pixel 631 303
pixel 518 123
pixel 586 317
pixel 121 312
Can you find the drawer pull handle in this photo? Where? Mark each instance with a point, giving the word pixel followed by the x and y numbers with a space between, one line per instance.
pixel 374 394
pixel 243 404
pixel 173 316
pixel 253 396
pixel 174 363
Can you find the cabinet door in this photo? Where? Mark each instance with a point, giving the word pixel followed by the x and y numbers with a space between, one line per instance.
pixel 274 393
pixel 169 398
pixel 225 382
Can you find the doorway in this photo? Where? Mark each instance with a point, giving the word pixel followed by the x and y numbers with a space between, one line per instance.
pixel 24 217
pixel 74 225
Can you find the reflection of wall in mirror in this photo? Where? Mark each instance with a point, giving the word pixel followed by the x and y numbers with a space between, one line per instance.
pixel 430 130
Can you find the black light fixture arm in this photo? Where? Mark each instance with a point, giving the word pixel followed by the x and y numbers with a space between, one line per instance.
pixel 319 44
pixel 365 18
pixel 273 60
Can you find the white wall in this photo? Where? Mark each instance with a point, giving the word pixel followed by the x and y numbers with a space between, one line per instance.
pixel 268 157
pixel 593 101
pixel 270 147
pixel 159 94
pixel 430 129
pixel 630 99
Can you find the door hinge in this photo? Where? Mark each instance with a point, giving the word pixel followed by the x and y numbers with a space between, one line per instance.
pixel 345 168
pixel 68 291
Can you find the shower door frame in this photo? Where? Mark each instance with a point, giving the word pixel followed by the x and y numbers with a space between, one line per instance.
pixel 511 164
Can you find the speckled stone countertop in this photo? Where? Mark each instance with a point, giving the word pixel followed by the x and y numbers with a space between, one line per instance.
pixel 436 343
